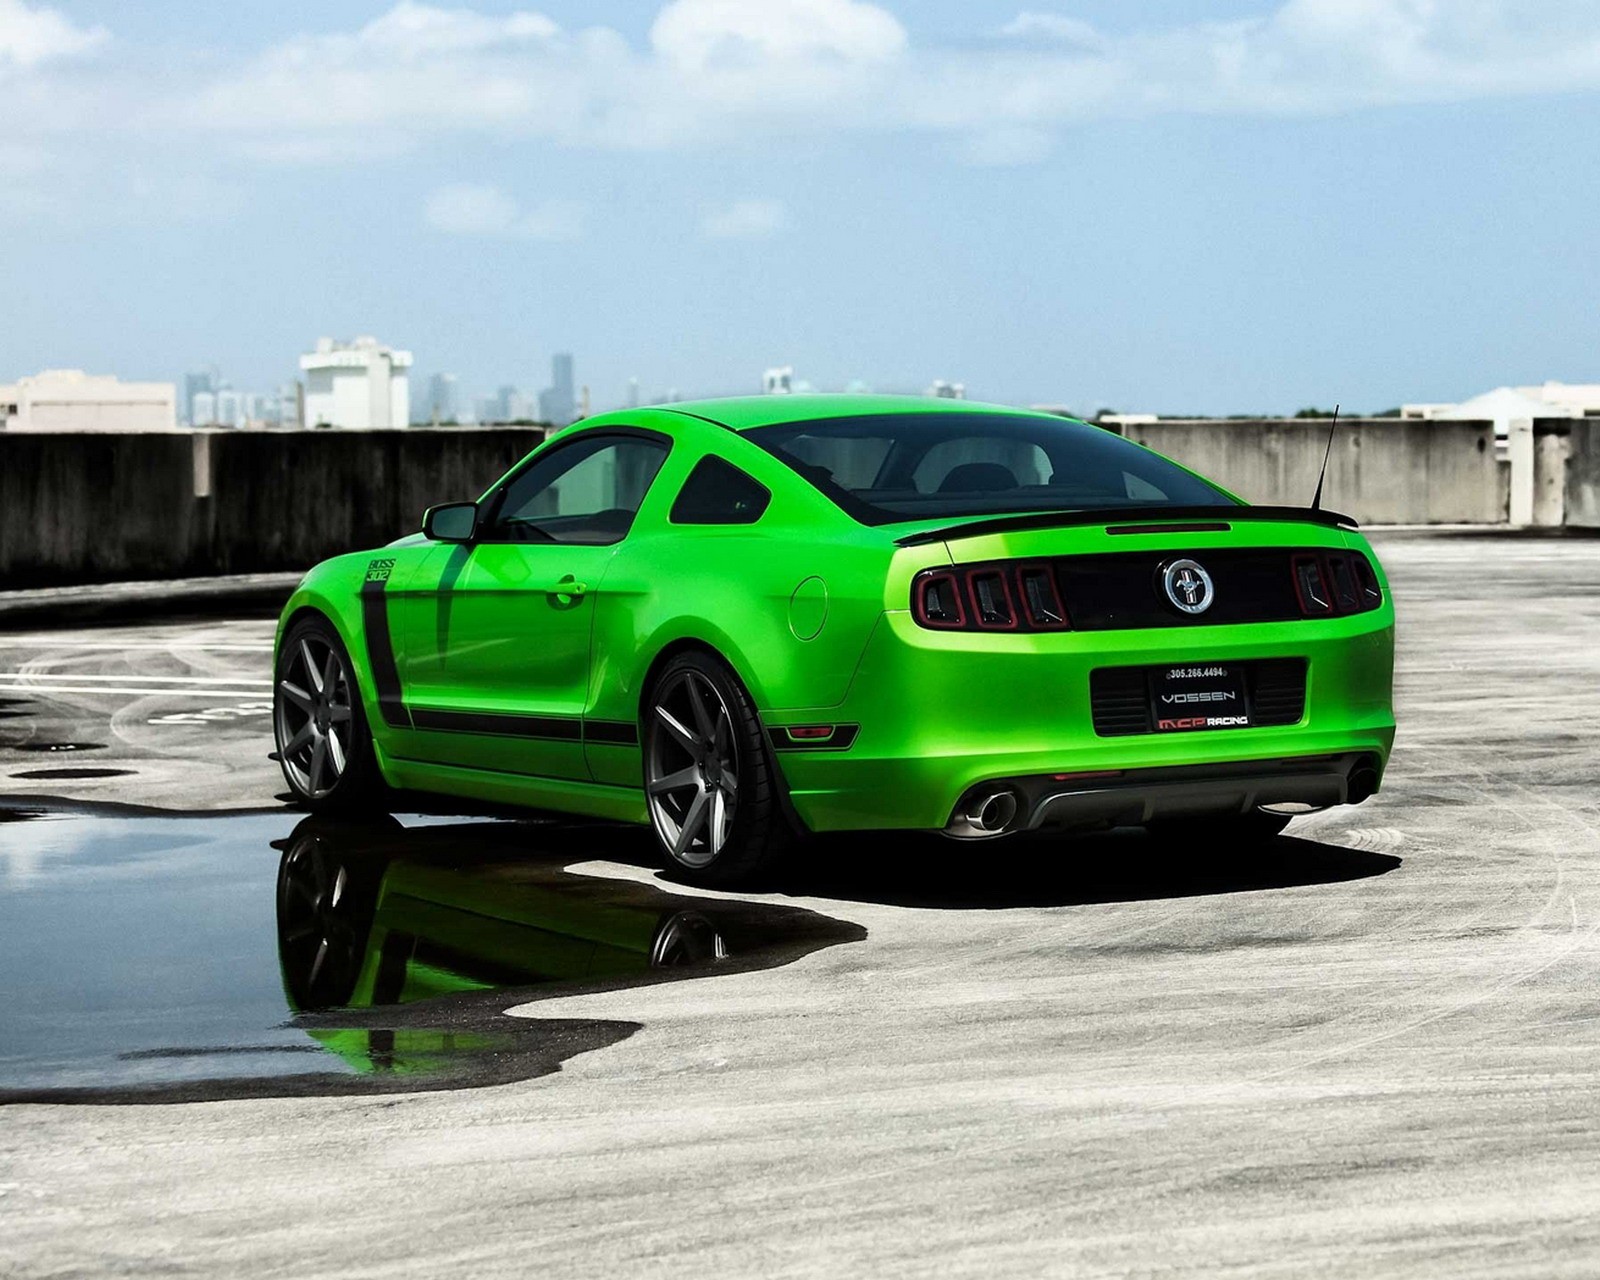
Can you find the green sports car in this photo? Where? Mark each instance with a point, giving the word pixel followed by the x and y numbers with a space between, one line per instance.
pixel 746 620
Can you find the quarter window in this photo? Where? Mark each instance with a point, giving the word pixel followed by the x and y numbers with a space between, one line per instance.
pixel 717 492
pixel 585 493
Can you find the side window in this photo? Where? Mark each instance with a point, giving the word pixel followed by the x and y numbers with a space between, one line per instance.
pixel 717 492
pixel 586 492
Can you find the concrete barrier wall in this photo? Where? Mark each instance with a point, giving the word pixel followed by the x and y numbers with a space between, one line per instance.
pixel 102 507
pixel 1583 473
pixel 1382 470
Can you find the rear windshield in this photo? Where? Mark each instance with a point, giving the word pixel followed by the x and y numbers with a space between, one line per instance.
pixel 929 466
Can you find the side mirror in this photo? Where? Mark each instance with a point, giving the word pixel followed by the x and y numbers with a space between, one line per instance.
pixel 451 522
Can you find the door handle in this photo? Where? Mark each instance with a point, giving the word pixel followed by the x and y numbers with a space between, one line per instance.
pixel 569 588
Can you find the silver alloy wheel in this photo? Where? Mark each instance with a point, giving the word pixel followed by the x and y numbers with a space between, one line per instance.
pixel 319 943
pixel 691 768
pixel 312 717
pixel 686 937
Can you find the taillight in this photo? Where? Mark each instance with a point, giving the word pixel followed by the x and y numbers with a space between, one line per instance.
pixel 936 601
pixel 1311 586
pixel 991 599
pixel 1327 583
pixel 1366 582
pixel 999 597
pixel 1040 598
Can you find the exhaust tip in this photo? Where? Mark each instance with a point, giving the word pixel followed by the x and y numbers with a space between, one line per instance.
pixel 994 812
pixel 989 811
pixel 1363 784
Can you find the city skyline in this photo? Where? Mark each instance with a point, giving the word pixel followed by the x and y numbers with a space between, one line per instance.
pixel 1252 205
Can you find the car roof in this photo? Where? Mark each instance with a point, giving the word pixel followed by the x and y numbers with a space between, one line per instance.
pixel 741 413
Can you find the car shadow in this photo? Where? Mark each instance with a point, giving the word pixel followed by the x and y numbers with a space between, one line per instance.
pixel 915 870
pixel 931 871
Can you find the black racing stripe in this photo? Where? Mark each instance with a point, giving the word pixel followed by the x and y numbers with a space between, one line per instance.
pixel 841 739
pixel 617 733
pixel 380 651
pixel 558 728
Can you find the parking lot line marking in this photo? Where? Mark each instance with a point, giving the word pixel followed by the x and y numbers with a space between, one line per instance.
pixel 37 642
pixel 75 678
pixel 147 692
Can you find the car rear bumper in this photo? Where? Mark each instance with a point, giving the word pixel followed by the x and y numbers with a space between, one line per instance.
pixel 931 717
pixel 1133 797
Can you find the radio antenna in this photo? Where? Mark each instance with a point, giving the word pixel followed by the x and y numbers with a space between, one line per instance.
pixel 1316 498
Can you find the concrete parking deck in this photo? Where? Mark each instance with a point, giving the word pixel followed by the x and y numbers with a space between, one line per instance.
pixel 1374 1051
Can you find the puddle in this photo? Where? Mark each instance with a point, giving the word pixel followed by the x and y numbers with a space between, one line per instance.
pixel 74 773
pixel 153 959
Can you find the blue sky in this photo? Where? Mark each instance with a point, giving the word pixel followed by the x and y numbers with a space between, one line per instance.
pixel 1170 206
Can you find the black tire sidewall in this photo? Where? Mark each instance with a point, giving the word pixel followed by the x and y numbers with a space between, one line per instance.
pixel 756 837
pixel 360 781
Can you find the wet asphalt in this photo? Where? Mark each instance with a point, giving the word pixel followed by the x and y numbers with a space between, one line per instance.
pixel 1372 1050
pixel 151 959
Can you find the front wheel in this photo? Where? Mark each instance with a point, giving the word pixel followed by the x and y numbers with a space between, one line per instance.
pixel 324 746
pixel 709 780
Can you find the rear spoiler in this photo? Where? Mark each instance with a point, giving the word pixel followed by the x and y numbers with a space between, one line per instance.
pixel 1146 520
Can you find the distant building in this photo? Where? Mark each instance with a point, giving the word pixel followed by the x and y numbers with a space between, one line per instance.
pixel 942 390
pixel 558 403
pixel 442 405
pixel 1127 419
pixel 291 404
pixel 778 381
pixel 1505 405
pixel 511 405
pixel 357 384
pixel 633 393
pixel 196 384
pixel 71 400
pixel 227 407
pixel 233 407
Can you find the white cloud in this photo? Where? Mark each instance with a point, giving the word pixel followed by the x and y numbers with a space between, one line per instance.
pixel 31 35
pixel 745 220
pixel 714 69
pixel 711 71
pixel 702 34
pixel 418 30
pixel 466 209
pixel 1029 25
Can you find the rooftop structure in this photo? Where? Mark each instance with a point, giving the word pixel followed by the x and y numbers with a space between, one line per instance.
pixel 72 400
pixel 357 384
pixel 1505 405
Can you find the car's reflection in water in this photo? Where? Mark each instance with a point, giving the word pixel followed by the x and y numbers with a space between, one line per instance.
pixel 374 918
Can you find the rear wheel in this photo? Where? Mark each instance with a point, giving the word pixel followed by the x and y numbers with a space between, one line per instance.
pixel 324 746
pixel 709 781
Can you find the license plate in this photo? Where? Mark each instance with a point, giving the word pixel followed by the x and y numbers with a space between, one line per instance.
pixel 1199 697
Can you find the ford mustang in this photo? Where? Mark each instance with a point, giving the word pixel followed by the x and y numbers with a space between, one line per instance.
pixel 744 621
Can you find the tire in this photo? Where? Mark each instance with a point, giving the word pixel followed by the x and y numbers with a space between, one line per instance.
pixel 324 745
pixel 328 883
pixel 710 783
pixel 1226 832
